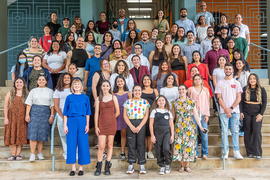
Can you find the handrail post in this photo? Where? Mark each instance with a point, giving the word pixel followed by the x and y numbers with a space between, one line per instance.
pixel 52 143
pixel 222 126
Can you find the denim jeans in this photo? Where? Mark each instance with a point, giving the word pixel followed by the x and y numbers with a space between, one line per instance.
pixel 204 137
pixel 234 121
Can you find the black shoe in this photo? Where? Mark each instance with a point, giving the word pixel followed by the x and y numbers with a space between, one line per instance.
pixel 98 170
pixel 80 173
pixel 72 173
pixel 107 168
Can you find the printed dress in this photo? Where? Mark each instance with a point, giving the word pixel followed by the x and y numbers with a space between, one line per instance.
pixel 184 145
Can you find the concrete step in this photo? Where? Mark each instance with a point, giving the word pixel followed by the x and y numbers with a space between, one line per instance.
pixel 216 139
pixel 264 82
pixel 214 128
pixel 9 83
pixel 117 164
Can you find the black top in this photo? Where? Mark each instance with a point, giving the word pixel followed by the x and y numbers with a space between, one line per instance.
pixel 54 27
pixel 149 97
pixel 176 65
pixel 79 32
pixel 101 79
pixel 157 62
pixel 137 73
pixel 218 28
pixel 224 41
pixel 253 98
pixel 79 57
pixel 162 119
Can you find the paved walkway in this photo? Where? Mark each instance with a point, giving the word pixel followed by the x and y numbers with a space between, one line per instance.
pixel 229 174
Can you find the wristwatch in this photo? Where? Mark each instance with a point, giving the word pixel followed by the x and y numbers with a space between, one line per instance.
pixel 231 107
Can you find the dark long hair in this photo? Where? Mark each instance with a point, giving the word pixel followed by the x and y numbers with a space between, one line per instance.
pixel 160 68
pixel 258 89
pixel 107 32
pixel 50 52
pixel 87 29
pixel 130 41
pixel 115 88
pixel 180 56
pixel 155 105
pixel 121 46
pixel 165 80
pixel 100 97
pixel 86 37
pixel 157 14
pixel 234 60
pixel 18 65
pixel 176 37
pixel 151 84
pixel 60 83
pixel 62 42
pixel 199 54
pixel 73 43
pixel 156 54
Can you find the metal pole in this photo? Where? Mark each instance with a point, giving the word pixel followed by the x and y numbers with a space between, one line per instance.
pixel 52 144
pixel 268 37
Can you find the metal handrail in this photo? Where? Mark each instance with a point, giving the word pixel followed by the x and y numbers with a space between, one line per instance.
pixel 13 48
pixel 222 128
pixel 260 47
pixel 52 143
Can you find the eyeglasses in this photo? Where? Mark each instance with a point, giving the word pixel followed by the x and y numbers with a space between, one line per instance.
pixel 137 48
pixel 105 64
pixel 97 48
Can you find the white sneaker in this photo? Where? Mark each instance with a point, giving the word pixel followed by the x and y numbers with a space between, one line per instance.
pixel 150 155
pixel 32 157
pixel 40 156
pixel 168 169
pixel 130 169
pixel 229 132
pixel 226 155
pixel 237 155
pixel 162 171
pixel 142 169
pixel 145 155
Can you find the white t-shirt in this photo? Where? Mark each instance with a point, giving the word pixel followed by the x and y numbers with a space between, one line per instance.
pixel 40 96
pixel 219 73
pixel 170 93
pixel 201 32
pixel 228 90
pixel 152 115
pixel 122 26
pixel 244 30
pixel 55 61
pixel 61 95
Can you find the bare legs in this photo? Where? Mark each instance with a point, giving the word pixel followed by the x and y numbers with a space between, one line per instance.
pixel 148 143
pixel 102 144
pixel 15 149
pixel 123 139
pixel 34 144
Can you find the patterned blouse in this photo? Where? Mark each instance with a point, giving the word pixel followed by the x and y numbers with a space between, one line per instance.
pixel 136 109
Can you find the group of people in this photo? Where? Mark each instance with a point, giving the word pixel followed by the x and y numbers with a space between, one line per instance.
pixel 136 88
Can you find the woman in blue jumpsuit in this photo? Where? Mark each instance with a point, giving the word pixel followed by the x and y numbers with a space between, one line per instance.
pixel 76 119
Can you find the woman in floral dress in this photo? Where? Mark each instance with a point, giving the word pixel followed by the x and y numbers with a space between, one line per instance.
pixel 184 146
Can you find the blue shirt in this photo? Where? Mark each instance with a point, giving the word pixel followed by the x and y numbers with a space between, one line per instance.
pixel 146 48
pixel 21 70
pixel 125 35
pixel 187 25
pixel 92 65
pixel 77 105
pixel 207 15
pixel 187 50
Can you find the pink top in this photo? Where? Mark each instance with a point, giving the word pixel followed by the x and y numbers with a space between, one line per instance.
pixel 202 100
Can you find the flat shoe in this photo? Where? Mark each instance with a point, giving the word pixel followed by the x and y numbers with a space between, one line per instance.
pixel 80 173
pixel 72 173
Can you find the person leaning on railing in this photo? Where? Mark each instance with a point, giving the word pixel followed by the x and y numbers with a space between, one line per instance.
pixel 252 107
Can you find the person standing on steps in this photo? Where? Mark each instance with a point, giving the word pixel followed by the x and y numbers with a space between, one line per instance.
pixel 15 125
pixel 78 56
pixel 136 113
pixel 122 21
pixel 106 112
pixel 53 25
pixel 60 94
pixel 76 126
pixel 228 93
pixel 39 116
pixel 162 132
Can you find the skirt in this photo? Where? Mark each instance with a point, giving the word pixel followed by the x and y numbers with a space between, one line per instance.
pixel 38 129
pixel 181 76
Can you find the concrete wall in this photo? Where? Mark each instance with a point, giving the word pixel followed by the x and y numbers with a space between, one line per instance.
pixel 144 24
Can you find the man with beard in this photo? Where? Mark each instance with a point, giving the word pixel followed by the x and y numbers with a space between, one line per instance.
pixel 147 46
pixel 206 44
pixel 228 92
pixel 174 30
pixel 240 42
pixel 224 36
pixel 185 22
pixel 78 56
pixel 122 21
pixel 209 19
pixel 190 47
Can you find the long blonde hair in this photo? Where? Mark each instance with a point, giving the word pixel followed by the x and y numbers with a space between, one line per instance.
pixel 257 89
pixel 13 91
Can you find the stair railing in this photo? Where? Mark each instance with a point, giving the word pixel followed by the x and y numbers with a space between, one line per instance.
pixel 222 126
pixel 52 143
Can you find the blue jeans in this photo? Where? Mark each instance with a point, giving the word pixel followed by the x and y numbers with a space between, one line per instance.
pixel 89 92
pixel 234 121
pixel 204 137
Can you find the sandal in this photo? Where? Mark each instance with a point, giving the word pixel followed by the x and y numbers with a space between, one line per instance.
pixel 18 158
pixel 12 158
pixel 181 170
pixel 187 169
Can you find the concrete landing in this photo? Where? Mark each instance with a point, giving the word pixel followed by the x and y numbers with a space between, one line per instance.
pixel 217 174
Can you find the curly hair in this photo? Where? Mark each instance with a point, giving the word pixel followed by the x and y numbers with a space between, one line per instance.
pixel 130 41
pixel 60 83
pixel 13 91
pixel 155 105
pixel 125 74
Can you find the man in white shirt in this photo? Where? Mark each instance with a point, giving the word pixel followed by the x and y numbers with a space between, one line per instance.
pixel 244 30
pixel 138 51
pixel 209 19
